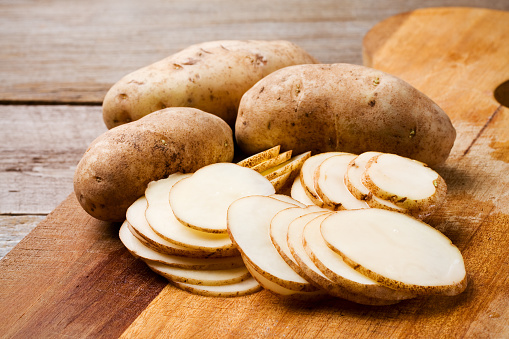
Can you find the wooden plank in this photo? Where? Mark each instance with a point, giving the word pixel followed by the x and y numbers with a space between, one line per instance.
pixel 72 277
pixel 14 228
pixel 48 55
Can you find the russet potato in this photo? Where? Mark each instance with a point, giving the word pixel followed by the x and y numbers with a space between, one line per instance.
pixel 210 76
pixel 118 165
pixel 342 107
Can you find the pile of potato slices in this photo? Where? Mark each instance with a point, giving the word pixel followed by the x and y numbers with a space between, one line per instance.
pixel 226 230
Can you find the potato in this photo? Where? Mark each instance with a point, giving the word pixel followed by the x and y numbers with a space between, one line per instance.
pixel 211 76
pixel 118 165
pixel 342 107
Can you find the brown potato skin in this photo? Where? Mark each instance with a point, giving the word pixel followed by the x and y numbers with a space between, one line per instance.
pixel 117 167
pixel 342 107
pixel 210 76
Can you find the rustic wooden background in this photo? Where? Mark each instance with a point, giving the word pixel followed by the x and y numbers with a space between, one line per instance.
pixel 58 58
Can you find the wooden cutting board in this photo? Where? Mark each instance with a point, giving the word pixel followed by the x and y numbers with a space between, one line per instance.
pixel 72 277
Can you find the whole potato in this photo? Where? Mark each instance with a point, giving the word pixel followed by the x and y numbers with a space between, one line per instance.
pixel 118 165
pixel 342 107
pixel 211 76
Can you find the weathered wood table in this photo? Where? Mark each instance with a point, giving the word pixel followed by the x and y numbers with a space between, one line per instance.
pixel 72 277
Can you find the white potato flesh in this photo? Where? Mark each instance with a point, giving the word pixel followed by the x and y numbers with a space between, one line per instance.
pixel 142 251
pixel 135 216
pixel 202 200
pixel 292 165
pixel 287 199
pixel 200 277
pixel 330 183
pixel 335 268
pixel 307 175
pixel 298 193
pixel 160 217
pixel 260 157
pixel 397 250
pixel 405 182
pixel 375 202
pixel 279 230
pixel 311 271
pixel 278 289
pixel 248 225
pixel 354 172
pixel 245 287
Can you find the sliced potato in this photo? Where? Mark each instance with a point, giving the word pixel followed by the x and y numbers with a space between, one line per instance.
pixel 248 225
pixel 135 216
pixel 307 175
pixel 354 172
pixel 279 230
pixel 280 290
pixel 307 268
pixel 140 250
pixel 245 287
pixel 396 250
pixel 293 165
pixel 298 193
pixel 202 200
pixel 160 217
pixel 287 199
pixel 281 181
pixel 329 183
pixel 332 265
pixel 200 277
pixel 260 157
pixel 405 182
pixel 269 163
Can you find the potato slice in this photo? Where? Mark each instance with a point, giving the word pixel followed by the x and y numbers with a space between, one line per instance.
pixel 281 182
pixel 405 182
pixel 140 250
pixel 293 165
pixel 202 200
pixel 307 268
pixel 298 193
pixel 329 183
pixel 283 291
pixel 141 229
pixel 331 264
pixel 396 250
pixel 354 172
pixel 287 199
pixel 260 157
pixel 245 287
pixel 160 217
pixel 248 225
pixel 276 161
pixel 279 231
pixel 200 277
pixel 307 175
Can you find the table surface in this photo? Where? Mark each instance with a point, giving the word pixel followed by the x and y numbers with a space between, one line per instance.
pixel 58 59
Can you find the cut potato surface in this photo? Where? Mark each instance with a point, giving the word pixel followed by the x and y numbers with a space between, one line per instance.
pixel 298 193
pixel 140 250
pixel 332 265
pixel 248 225
pixel 280 290
pixel 279 230
pixel 396 250
pixel 287 199
pixel 354 172
pixel 329 181
pixel 307 175
pixel 135 216
pixel 200 277
pixel 245 287
pixel 294 164
pixel 281 181
pixel 162 220
pixel 202 200
pixel 405 182
pixel 276 161
pixel 260 157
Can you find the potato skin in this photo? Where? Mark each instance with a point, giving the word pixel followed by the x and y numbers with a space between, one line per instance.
pixel 210 76
pixel 342 107
pixel 117 167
